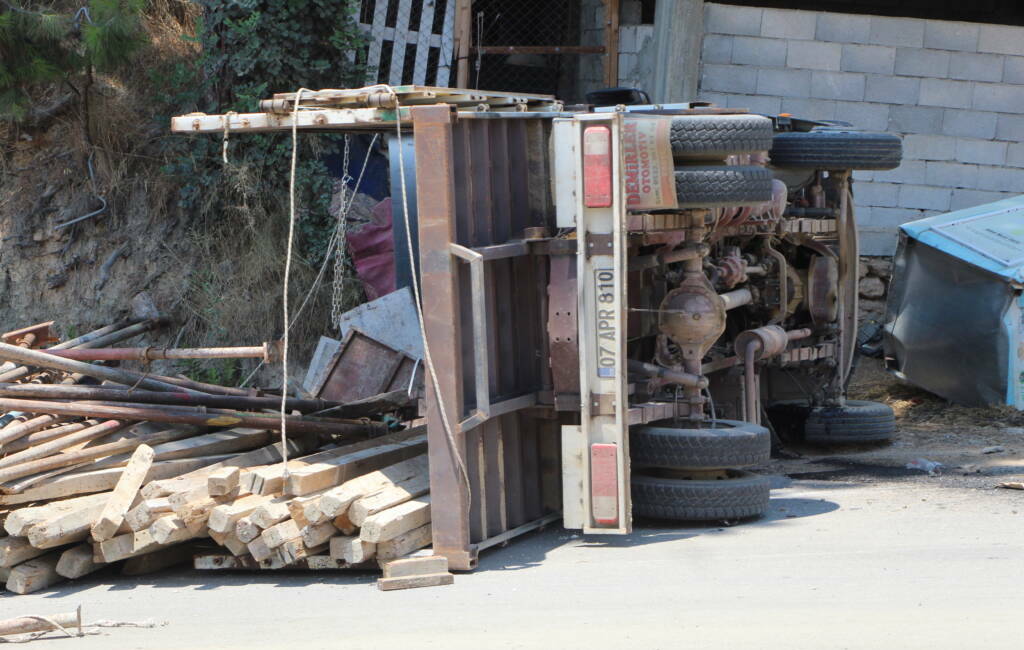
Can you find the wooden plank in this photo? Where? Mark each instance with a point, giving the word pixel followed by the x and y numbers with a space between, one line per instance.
pixel 224 517
pixel 259 549
pixel 170 529
pixel 413 582
pixel 345 525
pixel 404 544
pixel 223 481
pixel 415 566
pixel 246 530
pixel 325 475
pixel 391 523
pixel 236 546
pixel 388 497
pixel 611 39
pixel 271 512
pixel 20 521
pixel 423 39
pixel 446 58
pixel 66 528
pixel 35 575
pixel 294 550
pixel 318 534
pixel 84 482
pixel 280 533
pixel 337 501
pixel 352 550
pixel 125 546
pixel 77 561
pixel 463 40
pixel 124 493
pixel 146 512
pixel 15 550
pixel 318 119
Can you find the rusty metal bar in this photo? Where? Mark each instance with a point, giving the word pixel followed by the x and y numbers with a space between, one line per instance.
pixel 447 448
pixel 500 408
pixel 62 443
pixel 46 435
pixel 267 352
pixel 272 421
pixel 120 394
pixel 479 295
pixel 43 360
pixel 16 430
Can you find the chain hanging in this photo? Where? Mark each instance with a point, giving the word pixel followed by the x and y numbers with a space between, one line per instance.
pixel 341 276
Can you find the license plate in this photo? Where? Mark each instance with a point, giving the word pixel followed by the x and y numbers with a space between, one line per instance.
pixel 606 323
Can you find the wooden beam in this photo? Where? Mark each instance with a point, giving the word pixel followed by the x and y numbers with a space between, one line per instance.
pixel 463 40
pixel 222 481
pixel 391 523
pixel 71 526
pixel 78 561
pixel 15 550
pixel 353 550
pixel 404 544
pixel 389 497
pixel 336 501
pixel 611 39
pixel 124 494
pixel 35 575
pixel 324 475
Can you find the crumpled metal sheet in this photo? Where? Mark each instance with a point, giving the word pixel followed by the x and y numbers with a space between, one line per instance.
pixel 944 329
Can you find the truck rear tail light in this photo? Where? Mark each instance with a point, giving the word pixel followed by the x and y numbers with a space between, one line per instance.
pixel 597 167
pixel 604 483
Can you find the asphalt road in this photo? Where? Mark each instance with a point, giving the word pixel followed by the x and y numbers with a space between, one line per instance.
pixel 911 564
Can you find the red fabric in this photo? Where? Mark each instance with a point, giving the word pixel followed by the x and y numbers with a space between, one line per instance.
pixel 373 252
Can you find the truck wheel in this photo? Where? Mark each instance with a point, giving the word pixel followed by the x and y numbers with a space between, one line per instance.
pixel 713 137
pixel 729 444
pixel 858 421
pixel 662 494
pixel 721 186
pixel 833 148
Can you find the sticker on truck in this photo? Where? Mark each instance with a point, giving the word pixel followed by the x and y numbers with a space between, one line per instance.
pixel 647 164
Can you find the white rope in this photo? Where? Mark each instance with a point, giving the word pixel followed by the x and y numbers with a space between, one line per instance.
pixel 287 274
pixel 427 361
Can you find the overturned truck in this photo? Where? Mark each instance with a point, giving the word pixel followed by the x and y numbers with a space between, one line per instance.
pixel 618 303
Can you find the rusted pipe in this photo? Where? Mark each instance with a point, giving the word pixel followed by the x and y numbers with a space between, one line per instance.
pixel 16 430
pixel 267 352
pixel 272 421
pixel 673 376
pixel 46 435
pixel 98 338
pixel 44 360
pixel 43 450
pixel 737 298
pixel 180 398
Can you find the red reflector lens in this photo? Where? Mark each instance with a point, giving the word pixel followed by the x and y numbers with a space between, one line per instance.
pixel 604 483
pixel 597 167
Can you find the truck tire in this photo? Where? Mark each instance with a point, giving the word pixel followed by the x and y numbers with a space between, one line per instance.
pixel 835 148
pixel 858 421
pixel 729 444
pixel 713 137
pixel 740 496
pixel 721 186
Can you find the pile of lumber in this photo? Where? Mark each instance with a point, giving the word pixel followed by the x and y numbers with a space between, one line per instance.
pixel 104 466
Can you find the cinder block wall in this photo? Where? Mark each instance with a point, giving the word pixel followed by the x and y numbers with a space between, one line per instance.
pixel 955 91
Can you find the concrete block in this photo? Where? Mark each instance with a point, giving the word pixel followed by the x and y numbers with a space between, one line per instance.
pixel 892 217
pixel 982 152
pixel 811 109
pixel 716 49
pixel 1001 179
pixel 923 197
pixel 910 171
pixel 929 147
pixel 1001 39
pixel 915 119
pixel 644 34
pixel 892 90
pixel 869 117
pixel 1015 154
pixel 943 174
pixel 843 28
pixel 729 78
pixel 976 67
pixel 1010 127
pixel 945 35
pixel 1002 98
pixel 787 23
pixel 837 85
pixel 963 198
pixel 749 50
pixel 969 124
pixel 878 241
pixel 756 103
pixel 904 32
pixel 922 63
pixel 868 58
pixel 783 83
pixel 884 195
pixel 814 55
pixel 728 19
pixel 941 92
pixel 629 63
pixel 1013 70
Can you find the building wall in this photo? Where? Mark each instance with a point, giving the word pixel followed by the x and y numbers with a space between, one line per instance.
pixel 955 91
pixel 636 47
